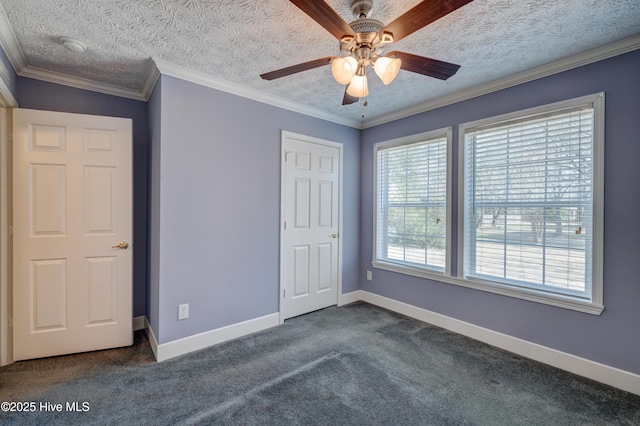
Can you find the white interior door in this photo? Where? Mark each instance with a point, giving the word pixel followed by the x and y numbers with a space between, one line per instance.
pixel 311 205
pixel 72 203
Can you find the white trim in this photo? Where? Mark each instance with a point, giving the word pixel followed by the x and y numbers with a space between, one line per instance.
pixel 9 43
pixel 153 342
pixel 6 335
pixel 595 305
pixel 139 323
pixel 165 351
pixel 79 83
pixel 599 141
pixel 428 137
pixel 281 266
pixel 7 38
pixel 207 80
pixel 6 97
pixel 585 58
pixel 612 376
pixel 348 298
pixel 151 78
pixel 496 288
pixel 285 134
pixel 602 373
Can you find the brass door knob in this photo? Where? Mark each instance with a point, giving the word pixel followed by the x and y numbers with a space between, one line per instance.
pixel 335 235
pixel 123 245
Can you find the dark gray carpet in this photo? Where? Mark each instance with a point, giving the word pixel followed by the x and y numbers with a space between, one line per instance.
pixel 354 365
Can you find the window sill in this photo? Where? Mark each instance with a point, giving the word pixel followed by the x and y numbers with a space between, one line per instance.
pixel 561 301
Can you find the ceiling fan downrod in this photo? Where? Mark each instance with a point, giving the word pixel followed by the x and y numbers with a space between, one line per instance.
pixel 361 8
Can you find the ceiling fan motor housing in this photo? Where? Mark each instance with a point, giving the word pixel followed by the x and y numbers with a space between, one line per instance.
pixel 367 38
pixel 366 25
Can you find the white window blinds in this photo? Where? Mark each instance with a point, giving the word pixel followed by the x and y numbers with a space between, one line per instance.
pixel 528 202
pixel 411 197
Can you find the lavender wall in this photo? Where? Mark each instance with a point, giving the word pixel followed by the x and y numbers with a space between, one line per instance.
pixel 219 202
pixel 612 337
pixel 36 94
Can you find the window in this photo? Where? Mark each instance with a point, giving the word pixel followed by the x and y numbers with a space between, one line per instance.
pixel 411 203
pixel 531 202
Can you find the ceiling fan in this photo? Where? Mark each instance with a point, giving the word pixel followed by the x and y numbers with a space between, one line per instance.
pixel 362 43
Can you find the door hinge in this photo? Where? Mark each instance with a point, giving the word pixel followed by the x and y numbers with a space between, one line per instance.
pixel 10 322
pixel 10 229
pixel 286 156
pixel 284 293
pixel 285 225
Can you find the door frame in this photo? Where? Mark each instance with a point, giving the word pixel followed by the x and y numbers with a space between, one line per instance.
pixel 6 300
pixel 7 102
pixel 310 139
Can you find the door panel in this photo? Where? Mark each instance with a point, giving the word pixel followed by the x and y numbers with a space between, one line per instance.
pixel 102 289
pixel 302 203
pixel 49 294
pixel 72 203
pixel 300 271
pixel 310 252
pixel 325 266
pixel 48 204
pixel 100 212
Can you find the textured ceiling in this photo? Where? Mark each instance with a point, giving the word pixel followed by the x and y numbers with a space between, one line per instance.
pixel 236 40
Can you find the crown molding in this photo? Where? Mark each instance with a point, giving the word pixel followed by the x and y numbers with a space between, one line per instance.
pixel 12 50
pixel 9 43
pixel 203 79
pixel 598 54
pixel 11 47
pixel 80 83
pixel 151 78
pixel 156 67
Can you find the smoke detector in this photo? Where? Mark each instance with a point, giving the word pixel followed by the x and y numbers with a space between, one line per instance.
pixel 73 45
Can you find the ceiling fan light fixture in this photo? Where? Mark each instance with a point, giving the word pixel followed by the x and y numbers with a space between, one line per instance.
pixel 343 69
pixel 363 40
pixel 387 68
pixel 358 88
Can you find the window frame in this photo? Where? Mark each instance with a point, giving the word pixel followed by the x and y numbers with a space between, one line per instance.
pixel 403 268
pixel 595 304
pixel 453 273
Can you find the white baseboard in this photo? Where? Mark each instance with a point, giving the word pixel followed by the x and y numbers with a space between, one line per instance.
pixel 611 376
pixel 139 323
pixel 352 297
pixel 183 346
pixel 153 342
pixel 602 373
pixel 165 351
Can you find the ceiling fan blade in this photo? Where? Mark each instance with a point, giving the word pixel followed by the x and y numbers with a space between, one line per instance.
pixel 420 15
pixel 324 15
pixel 425 66
pixel 297 68
pixel 348 99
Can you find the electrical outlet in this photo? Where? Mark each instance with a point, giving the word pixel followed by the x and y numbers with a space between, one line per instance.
pixel 369 275
pixel 183 311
